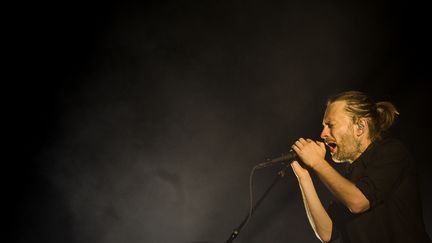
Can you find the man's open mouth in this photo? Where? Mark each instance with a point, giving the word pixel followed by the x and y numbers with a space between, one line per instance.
pixel 332 146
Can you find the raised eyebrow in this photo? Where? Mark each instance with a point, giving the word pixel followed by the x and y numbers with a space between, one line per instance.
pixel 326 123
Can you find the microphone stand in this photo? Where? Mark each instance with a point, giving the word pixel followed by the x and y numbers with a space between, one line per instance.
pixel 237 230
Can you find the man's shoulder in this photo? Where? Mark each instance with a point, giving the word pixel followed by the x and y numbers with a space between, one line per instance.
pixel 389 150
pixel 390 143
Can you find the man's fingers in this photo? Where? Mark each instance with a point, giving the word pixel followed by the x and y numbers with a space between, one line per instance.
pixel 295 165
pixel 295 148
pixel 321 144
pixel 299 143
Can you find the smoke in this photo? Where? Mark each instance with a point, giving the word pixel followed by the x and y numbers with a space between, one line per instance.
pixel 156 141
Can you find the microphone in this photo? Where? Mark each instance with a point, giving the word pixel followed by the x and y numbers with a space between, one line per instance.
pixel 291 156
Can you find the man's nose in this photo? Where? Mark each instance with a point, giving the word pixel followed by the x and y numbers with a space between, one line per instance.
pixel 324 133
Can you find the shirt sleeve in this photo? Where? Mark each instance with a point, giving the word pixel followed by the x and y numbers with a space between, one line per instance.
pixel 383 171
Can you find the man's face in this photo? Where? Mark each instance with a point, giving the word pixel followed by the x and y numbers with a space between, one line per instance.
pixel 338 133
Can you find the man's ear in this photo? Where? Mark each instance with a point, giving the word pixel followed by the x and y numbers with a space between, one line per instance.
pixel 361 126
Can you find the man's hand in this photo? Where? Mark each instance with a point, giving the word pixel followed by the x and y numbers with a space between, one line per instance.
pixel 300 172
pixel 310 152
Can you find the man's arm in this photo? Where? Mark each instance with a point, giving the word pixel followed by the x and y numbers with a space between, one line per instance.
pixel 312 154
pixel 317 215
pixel 343 189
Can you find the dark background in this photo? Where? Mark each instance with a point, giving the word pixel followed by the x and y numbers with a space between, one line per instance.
pixel 142 122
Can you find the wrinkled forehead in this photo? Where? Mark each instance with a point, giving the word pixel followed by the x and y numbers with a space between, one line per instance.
pixel 335 111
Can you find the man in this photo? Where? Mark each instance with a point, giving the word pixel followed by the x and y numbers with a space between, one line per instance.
pixel 377 200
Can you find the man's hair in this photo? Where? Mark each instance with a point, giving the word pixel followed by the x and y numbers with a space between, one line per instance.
pixel 380 116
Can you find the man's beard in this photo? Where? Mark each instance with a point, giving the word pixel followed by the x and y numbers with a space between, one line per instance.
pixel 348 148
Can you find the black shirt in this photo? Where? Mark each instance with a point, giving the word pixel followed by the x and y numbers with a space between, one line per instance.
pixel 386 175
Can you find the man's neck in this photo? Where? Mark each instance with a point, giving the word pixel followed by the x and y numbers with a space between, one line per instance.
pixel 362 147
